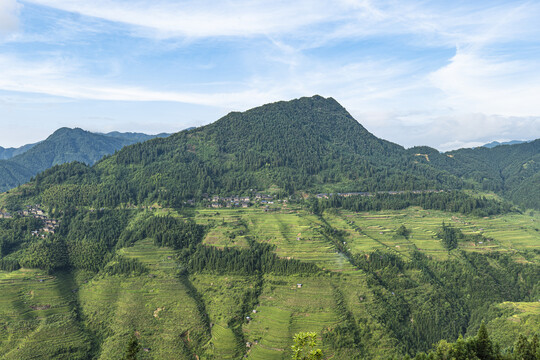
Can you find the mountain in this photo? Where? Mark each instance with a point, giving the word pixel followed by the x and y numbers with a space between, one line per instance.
pixel 496 143
pixel 308 144
pixel 8 153
pixel 64 145
pixel 129 137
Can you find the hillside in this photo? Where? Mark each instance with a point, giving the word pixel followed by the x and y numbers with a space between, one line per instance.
pixel 309 144
pixel 209 282
pixel 510 170
pixel 64 145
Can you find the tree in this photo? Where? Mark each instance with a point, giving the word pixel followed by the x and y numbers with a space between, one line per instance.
pixel 525 350
pixel 133 348
pixel 484 347
pixel 403 231
pixel 304 347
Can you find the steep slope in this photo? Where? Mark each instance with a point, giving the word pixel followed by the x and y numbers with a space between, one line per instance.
pixel 12 174
pixel 308 144
pixel 64 145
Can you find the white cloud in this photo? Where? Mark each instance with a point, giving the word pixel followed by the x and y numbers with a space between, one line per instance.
pixel 448 130
pixel 478 82
pixel 357 83
pixel 59 78
pixel 484 91
pixel 9 16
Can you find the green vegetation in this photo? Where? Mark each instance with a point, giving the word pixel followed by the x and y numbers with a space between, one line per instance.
pixel 510 170
pixel 304 347
pixel 131 269
pixel 482 347
pixel 224 298
pixel 306 144
pixel 454 201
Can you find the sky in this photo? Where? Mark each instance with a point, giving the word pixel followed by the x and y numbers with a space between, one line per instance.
pixel 446 74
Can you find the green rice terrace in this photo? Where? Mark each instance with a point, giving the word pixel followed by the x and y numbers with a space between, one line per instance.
pixel 239 283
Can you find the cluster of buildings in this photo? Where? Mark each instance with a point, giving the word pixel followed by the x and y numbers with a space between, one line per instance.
pixel 49 225
pixel 35 211
pixel 239 201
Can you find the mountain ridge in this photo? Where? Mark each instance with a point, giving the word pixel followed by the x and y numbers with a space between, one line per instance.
pixel 63 145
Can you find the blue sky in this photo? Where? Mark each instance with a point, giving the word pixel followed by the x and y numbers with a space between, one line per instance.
pixel 438 73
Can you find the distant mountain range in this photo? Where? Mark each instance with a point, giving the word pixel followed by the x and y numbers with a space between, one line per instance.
pixel 18 165
pixel 496 143
pixel 8 153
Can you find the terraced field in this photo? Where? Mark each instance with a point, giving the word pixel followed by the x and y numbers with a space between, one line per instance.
pixel 174 316
pixel 369 231
pixel 285 309
pixel 295 234
pixel 157 308
pixel 38 317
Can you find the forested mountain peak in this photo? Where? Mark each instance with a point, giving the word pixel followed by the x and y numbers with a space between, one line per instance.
pixel 308 144
pixel 321 124
pixel 316 113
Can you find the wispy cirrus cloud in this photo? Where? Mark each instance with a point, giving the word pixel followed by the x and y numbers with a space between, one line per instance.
pixel 191 18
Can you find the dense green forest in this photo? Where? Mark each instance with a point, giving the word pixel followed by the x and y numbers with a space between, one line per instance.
pixel 510 170
pixel 455 201
pixel 309 144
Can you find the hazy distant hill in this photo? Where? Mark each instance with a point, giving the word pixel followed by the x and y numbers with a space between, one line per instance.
pixel 8 153
pixel 64 145
pixel 134 137
pixel 496 143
